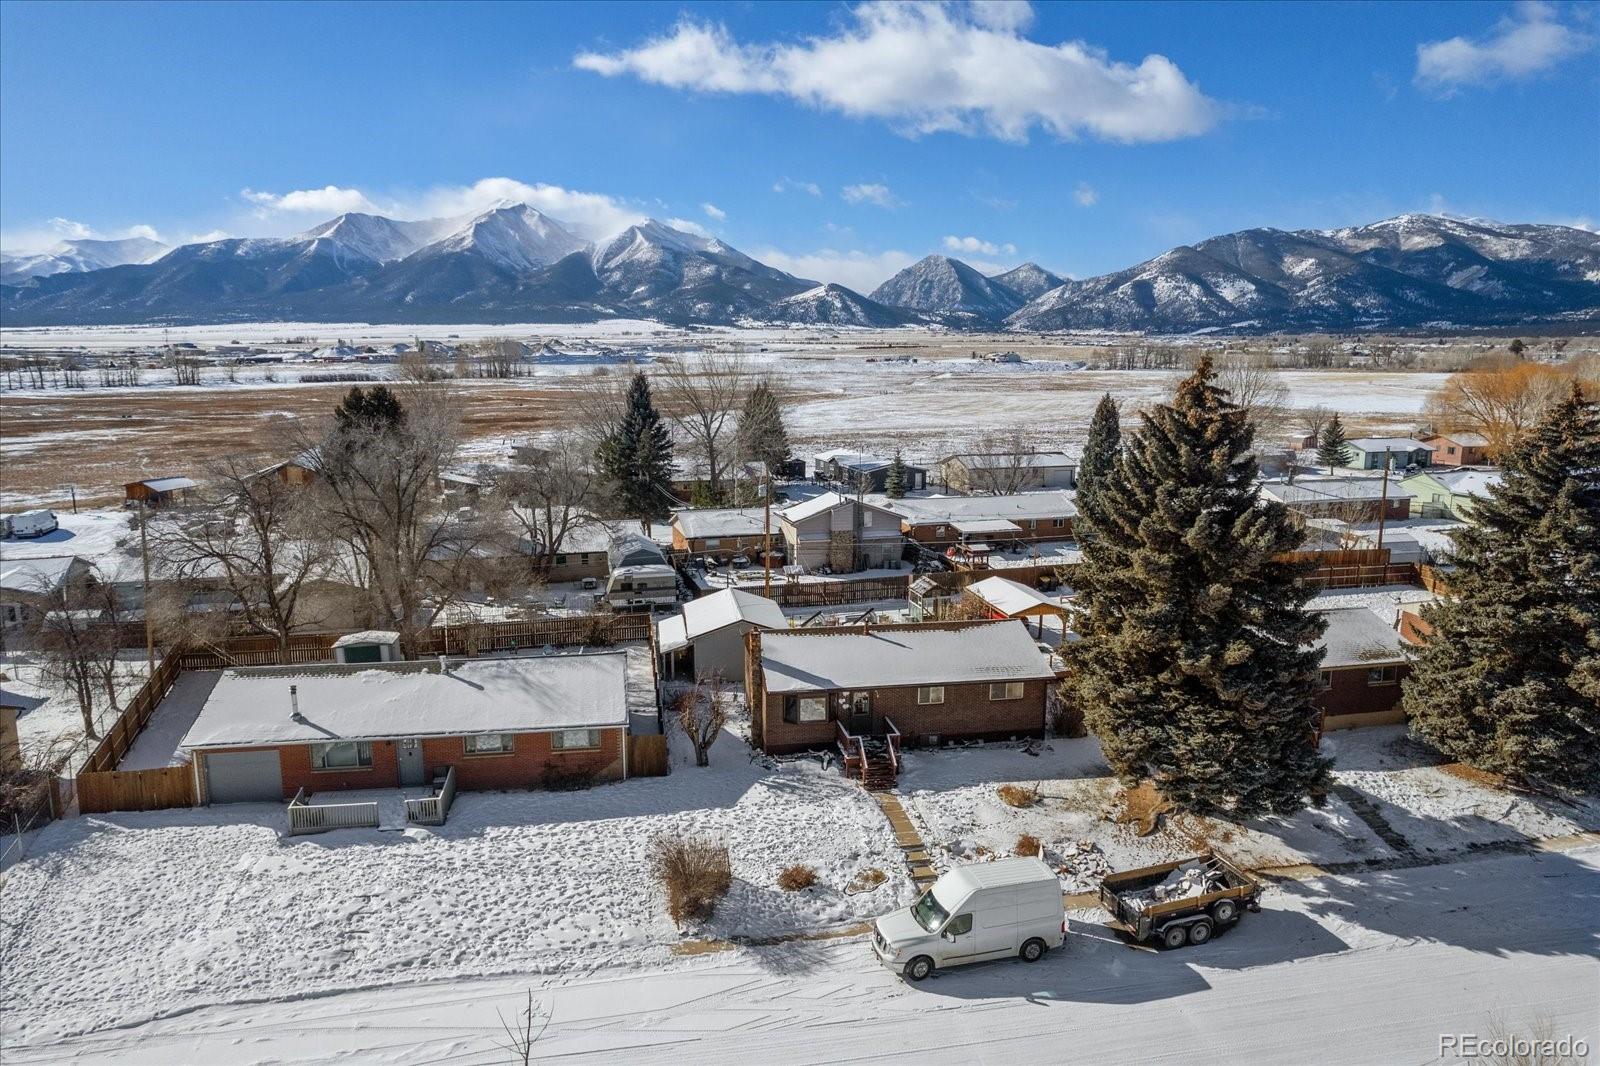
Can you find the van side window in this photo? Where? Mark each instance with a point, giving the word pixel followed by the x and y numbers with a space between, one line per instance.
pixel 960 925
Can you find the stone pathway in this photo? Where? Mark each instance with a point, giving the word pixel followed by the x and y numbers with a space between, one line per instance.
pixel 905 835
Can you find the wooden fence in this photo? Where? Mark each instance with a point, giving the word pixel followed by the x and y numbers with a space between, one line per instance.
pixel 838 593
pixel 647 755
pixel 136 790
pixel 119 738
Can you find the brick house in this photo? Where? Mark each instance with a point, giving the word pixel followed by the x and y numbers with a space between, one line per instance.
pixel 1351 499
pixel 926 682
pixel 1008 472
pixel 1459 449
pixel 263 733
pixel 1363 663
pixel 722 532
pixel 936 521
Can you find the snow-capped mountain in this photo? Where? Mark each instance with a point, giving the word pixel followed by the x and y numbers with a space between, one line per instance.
pixel 671 274
pixel 837 306
pixel 78 257
pixel 1029 280
pixel 948 287
pixel 1406 271
pixel 511 236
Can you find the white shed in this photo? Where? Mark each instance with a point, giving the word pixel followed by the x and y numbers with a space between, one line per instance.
pixel 714 627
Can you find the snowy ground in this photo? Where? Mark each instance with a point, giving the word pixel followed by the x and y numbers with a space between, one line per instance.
pixel 120 918
pixel 103 538
pixel 50 725
pixel 1366 969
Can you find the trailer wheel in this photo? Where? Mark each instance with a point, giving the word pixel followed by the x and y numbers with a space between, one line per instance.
pixel 1032 950
pixel 1175 936
pixel 1200 931
pixel 1224 911
pixel 918 968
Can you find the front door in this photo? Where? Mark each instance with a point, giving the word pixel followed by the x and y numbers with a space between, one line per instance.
pixel 412 772
pixel 861 714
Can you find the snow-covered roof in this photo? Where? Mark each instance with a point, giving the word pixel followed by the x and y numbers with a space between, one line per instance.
pixel 1356 636
pixel 368 636
pixel 41 574
pixel 900 656
pixel 1011 597
pixel 169 484
pixel 1469 440
pixel 819 504
pixel 719 521
pixel 1021 506
pixel 842 455
pixel 1391 444
pixel 647 570
pixel 634 549
pixel 717 611
pixel 985 525
pixel 1331 490
pixel 253 706
pixel 1468 482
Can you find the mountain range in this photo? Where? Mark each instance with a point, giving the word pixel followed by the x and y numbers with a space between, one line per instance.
pixel 512 263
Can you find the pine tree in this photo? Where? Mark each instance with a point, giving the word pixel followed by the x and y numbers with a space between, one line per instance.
pixel 1099 456
pixel 376 409
pixel 636 459
pixel 1509 681
pixel 1197 667
pixel 762 435
pixel 1332 450
pixel 894 482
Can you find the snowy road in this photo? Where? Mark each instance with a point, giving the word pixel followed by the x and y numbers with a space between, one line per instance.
pixel 1362 969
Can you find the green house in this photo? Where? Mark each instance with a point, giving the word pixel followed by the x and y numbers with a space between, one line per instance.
pixel 1449 493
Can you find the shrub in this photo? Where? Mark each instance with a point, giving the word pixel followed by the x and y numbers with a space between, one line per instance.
pixel 866 880
pixel 795 878
pixel 695 873
pixel 558 778
pixel 1018 795
pixel 1028 845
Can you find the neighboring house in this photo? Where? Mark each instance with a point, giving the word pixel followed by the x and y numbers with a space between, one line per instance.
pixel 1351 499
pixel 721 531
pixel 1459 449
pixel 264 733
pixel 934 521
pixel 868 473
pixel 157 491
pixel 1450 493
pixel 29 588
pixel 1367 453
pixel 1008 472
pixel 299 471
pixel 467 487
pixel 925 683
pixel 840 533
pixel 1363 662
pixel 708 637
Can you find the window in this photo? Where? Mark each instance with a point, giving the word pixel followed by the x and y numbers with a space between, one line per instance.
pixel 575 740
pixel 1058 522
pixel 10 613
pixel 960 925
pixel 489 744
pixel 341 755
pixel 713 542
pixel 1450 450
pixel 561 560
pixel 1325 680
pixel 930 694
pixel 939 531
pixel 1383 675
pixel 806 709
pixel 1006 690
pixel 866 519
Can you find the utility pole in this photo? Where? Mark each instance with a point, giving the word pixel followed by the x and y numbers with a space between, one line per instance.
pixel 1383 504
pixel 144 552
pixel 766 537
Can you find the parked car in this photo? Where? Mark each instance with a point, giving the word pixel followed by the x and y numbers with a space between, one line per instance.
pixel 32 524
pixel 1010 908
pixel 1178 903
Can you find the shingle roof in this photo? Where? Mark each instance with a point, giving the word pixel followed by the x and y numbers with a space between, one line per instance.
pixel 720 521
pixel 1330 490
pixel 1468 482
pixel 717 611
pixel 1396 444
pixel 1058 503
pixel 899 657
pixel 1357 636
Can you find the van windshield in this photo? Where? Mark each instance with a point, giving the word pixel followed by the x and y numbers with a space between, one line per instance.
pixel 928 913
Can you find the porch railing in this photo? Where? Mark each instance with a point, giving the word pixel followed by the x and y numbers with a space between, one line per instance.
pixel 434 809
pixel 306 817
pixel 894 743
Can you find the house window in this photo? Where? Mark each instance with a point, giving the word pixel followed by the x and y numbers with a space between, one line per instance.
pixel 1383 675
pixel 866 518
pixel 930 694
pixel 489 744
pixel 713 542
pixel 1450 451
pixel 1325 680
pixel 574 740
pixel 561 560
pixel 1006 690
pixel 939 531
pixel 10 613
pixel 800 709
pixel 341 755
pixel 1058 522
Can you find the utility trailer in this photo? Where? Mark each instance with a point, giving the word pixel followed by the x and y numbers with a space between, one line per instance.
pixel 1137 911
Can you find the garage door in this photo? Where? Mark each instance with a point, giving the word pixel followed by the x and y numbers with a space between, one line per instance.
pixel 237 776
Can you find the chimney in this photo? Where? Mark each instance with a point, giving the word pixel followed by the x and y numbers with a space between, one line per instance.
pixel 294 703
pixel 444 665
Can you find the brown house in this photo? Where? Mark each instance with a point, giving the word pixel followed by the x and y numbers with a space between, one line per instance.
pixel 941 521
pixel 723 532
pixel 1459 449
pixel 1363 662
pixel 157 491
pixel 866 691
pixel 1350 499
pixel 502 723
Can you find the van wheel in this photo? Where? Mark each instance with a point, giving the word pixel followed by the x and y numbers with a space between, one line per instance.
pixel 1200 932
pixel 1175 937
pixel 1032 950
pixel 1224 911
pixel 918 968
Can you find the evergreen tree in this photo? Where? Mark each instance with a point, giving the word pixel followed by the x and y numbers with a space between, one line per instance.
pixel 1099 456
pixel 1197 667
pixel 894 482
pixel 636 459
pixel 1332 450
pixel 376 409
pixel 1509 682
pixel 762 435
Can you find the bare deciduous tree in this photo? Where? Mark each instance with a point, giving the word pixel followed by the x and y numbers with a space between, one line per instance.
pixel 1003 463
pixel 77 644
pixel 701 711
pixel 548 492
pixel 1313 420
pixel 703 396
pixel 1255 385
pixel 524 1032
pixel 1500 397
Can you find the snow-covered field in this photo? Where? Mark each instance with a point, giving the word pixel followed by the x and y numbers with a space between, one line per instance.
pixel 116 919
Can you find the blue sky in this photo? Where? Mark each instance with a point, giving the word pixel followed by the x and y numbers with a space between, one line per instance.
pixel 833 140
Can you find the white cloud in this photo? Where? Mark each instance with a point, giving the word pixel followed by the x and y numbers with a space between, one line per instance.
pixel 933 67
pixel 870 193
pixel 688 225
pixel 713 211
pixel 207 237
pixel 591 215
pixel 34 239
pixel 1532 40
pixel 861 271
pixel 787 184
pixel 975 245
pixel 1085 194
pixel 328 200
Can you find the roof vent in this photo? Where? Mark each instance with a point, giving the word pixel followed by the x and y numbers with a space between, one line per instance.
pixel 294 704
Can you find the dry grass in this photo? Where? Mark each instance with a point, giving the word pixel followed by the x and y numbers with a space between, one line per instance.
pixel 866 880
pixel 796 878
pixel 1028 846
pixel 695 873
pixel 1018 795
pixel 1142 807
pixel 1474 776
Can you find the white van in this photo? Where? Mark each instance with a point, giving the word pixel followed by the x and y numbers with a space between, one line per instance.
pixel 32 524
pixel 974 913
